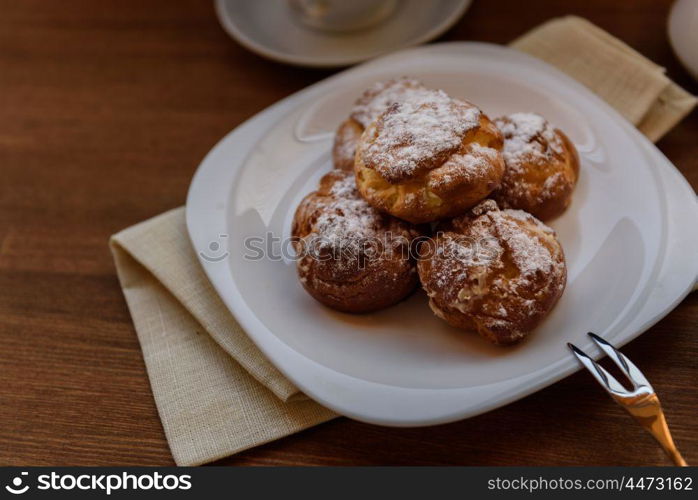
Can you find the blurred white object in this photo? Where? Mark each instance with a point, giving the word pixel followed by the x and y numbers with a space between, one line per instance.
pixel 683 33
pixel 272 29
pixel 342 15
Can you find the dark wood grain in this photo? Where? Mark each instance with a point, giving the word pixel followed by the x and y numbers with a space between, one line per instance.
pixel 106 108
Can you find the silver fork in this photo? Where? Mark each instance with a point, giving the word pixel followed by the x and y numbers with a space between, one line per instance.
pixel 641 402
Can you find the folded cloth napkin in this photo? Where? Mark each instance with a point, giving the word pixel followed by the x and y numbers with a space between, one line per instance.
pixel 215 392
pixel 635 86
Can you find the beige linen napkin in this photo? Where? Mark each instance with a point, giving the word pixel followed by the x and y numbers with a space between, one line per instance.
pixel 215 392
pixel 635 86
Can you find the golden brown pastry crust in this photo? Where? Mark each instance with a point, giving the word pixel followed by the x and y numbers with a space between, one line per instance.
pixel 542 166
pixel 351 257
pixel 345 141
pixel 496 272
pixel 429 157
pixel 375 99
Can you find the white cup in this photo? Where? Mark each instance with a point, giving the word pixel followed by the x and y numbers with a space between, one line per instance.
pixel 683 33
pixel 342 15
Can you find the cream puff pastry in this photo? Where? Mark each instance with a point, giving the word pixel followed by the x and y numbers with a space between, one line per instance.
pixel 494 272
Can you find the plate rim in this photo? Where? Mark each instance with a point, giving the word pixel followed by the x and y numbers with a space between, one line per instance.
pixel 516 390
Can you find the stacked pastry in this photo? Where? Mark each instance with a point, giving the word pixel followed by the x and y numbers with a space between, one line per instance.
pixel 427 189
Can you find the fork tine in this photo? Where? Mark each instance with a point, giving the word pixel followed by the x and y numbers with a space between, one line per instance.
pixel 604 378
pixel 627 367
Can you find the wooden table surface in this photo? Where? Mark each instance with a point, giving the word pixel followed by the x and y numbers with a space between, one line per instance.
pixel 106 109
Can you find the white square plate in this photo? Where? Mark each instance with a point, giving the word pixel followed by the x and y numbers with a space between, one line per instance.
pixel 625 238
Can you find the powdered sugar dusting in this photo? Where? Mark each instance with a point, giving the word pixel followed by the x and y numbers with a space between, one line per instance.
pixel 528 137
pixel 464 167
pixel 529 254
pixel 503 270
pixel 346 224
pixel 417 133
pixel 541 166
pixel 379 96
pixel 349 229
pixel 483 207
pixel 345 188
pixel 351 257
pixel 527 218
pixel 344 148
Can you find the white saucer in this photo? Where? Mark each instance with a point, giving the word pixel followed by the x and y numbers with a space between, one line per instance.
pixel 625 236
pixel 270 30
